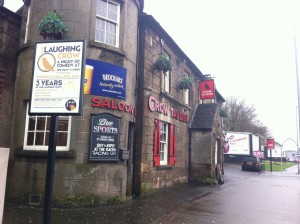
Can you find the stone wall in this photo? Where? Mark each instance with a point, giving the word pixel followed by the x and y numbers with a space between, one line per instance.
pixel 9 37
pixel 154 41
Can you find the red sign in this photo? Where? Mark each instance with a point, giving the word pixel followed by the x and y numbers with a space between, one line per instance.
pixel 270 143
pixel 113 105
pixel 207 89
pixel 163 108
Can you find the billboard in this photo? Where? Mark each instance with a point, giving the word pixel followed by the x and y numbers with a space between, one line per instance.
pixel 105 79
pixel 237 143
pixel 56 86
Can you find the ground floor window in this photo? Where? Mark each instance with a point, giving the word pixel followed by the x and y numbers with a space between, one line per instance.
pixel 37 131
pixel 164 144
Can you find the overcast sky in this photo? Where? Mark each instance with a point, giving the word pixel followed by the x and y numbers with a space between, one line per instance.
pixel 247 45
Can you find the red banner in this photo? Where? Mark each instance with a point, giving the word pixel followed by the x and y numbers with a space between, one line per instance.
pixel 207 89
pixel 270 143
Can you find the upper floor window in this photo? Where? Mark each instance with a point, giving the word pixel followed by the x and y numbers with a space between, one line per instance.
pixel 107 22
pixel 37 132
pixel 166 78
pixel 186 92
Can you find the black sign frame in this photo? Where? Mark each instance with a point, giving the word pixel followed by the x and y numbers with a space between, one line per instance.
pixel 104 137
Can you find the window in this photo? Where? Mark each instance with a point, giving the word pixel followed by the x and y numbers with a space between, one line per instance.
pixel 37 130
pixel 107 22
pixel 166 78
pixel 186 93
pixel 164 144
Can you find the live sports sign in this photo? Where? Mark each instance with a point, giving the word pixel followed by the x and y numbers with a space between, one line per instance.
pixel 270 143
pixel 207 89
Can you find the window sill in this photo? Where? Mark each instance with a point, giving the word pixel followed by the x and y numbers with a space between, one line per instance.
pixel 170 97
pixel 43 154
pixel 164 167
pixel 107 47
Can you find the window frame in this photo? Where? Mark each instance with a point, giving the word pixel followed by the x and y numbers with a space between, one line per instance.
pixel 164 143
pixel 45 145
pixel 169 142
pixel 186 92
pixel 166 77
pixel 107 20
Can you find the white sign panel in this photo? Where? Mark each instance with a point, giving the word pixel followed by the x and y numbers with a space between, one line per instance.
pixel 276 152
pixel 57 78
pixel 237 143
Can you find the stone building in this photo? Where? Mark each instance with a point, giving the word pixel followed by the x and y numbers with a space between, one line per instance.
pixel 76 174
pixel 156 138
pixel 179 150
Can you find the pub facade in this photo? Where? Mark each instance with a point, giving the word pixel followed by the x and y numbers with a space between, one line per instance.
pixel 137 131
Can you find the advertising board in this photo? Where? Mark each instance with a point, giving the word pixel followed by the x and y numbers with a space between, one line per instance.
pixel 56 86
pixel 237 143
pixel 105 79
pixel 104 139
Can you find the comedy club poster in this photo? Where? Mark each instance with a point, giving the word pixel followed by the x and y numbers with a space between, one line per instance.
pixel 56 86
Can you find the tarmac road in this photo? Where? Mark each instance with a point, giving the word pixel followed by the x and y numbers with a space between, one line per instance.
pixel 246 197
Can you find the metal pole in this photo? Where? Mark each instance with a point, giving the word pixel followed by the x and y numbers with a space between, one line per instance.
pixel 270 160
pixel 281 159
pixel 296 62
pixel 50 170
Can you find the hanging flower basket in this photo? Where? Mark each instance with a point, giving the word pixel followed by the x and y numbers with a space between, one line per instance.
pixel 52 27
pixel 185 83
pixel 223 113
pixel 163 63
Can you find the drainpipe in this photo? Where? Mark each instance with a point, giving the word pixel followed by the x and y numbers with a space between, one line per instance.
pixel 189 155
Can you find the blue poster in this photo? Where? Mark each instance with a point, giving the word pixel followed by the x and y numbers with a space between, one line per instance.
pixel 105 79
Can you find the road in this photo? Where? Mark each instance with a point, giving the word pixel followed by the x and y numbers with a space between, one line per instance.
pixel 246 198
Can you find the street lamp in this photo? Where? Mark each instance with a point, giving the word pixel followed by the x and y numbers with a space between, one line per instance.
pixel 298 91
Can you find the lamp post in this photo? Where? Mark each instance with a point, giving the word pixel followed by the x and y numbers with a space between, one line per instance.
pixel 298 91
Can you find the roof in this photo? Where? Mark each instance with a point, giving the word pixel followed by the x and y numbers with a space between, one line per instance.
pixel 204 116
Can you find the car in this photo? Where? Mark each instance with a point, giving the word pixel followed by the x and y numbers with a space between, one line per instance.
pixel 251 163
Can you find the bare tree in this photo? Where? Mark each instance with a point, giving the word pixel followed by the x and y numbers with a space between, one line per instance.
pixel 241 117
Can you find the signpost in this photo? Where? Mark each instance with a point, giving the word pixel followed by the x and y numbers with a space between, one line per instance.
pixel 270 146
pixel 56 89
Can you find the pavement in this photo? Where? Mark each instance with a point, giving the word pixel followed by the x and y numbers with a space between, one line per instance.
pixel 157 207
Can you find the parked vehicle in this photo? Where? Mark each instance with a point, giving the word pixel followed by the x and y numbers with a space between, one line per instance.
pixel 251 163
